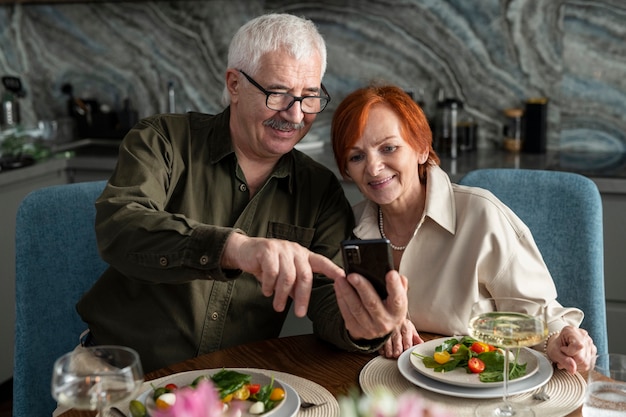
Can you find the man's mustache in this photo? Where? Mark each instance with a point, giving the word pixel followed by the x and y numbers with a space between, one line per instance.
pixel 283 125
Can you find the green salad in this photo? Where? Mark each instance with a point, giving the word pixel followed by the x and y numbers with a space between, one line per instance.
pixel 475 357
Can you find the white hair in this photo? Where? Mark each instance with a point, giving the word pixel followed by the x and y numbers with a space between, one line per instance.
pixel 269 33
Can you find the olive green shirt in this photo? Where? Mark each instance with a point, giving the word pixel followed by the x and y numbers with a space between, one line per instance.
pixel 175 196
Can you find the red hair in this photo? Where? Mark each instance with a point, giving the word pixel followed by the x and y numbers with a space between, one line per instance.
pixel 351 115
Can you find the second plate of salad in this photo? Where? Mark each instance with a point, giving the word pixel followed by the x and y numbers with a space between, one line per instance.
pixel 446 360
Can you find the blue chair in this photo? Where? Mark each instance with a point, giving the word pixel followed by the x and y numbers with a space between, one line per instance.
pixel 56 260
pixel 564 213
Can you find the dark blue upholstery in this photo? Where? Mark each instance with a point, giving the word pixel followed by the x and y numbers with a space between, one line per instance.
pixel 56 261
pixel 564 213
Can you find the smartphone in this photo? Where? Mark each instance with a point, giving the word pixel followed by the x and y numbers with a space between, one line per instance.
pixel 371 258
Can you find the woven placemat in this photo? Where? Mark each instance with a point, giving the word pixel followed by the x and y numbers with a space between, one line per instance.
pixel 312 392
pixel 307 390
pixel 566 391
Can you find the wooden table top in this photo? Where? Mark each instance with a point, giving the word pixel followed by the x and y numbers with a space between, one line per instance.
pixel 305 356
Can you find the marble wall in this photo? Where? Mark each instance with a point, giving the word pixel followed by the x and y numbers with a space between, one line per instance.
pixel 492 54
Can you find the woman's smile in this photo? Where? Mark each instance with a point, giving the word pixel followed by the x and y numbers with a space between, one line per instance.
pixel 381 183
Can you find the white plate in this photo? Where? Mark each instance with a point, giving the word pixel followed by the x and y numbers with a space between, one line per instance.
pixel 459 376
pixel 540 378
pixel 287 408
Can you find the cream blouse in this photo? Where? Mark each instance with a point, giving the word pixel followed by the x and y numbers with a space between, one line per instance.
pixel 470 246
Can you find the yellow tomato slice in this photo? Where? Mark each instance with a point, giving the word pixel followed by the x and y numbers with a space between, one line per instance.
pixel 242 393
pixel 441 357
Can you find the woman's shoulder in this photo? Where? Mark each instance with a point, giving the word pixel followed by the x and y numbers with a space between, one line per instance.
pixel 481 204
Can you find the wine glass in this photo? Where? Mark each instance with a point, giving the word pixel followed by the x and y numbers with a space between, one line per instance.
pixel 94 378
pixel 507 323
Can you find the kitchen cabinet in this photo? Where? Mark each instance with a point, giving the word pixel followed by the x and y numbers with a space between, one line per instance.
pixel 614 211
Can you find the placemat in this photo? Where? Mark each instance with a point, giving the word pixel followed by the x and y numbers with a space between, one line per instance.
pixel 308 390
pixel 566 391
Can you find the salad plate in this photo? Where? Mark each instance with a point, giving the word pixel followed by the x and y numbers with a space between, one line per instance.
pixel 288 407
pixel 459 376
pixel 538 379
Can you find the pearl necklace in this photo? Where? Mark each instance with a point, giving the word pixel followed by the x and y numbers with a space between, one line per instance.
pixel 382 232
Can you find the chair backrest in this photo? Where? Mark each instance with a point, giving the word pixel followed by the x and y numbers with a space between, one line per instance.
pixel 564 213
pixel 56 260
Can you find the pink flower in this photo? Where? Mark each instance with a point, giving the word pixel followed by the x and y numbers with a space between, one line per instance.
pixel 202 401
pixel 382 403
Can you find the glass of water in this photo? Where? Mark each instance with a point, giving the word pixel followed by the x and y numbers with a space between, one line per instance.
pixel 95 378
pixel 606 387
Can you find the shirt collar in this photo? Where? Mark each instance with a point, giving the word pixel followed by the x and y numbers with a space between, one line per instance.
pixel 222 145
pixel 440 203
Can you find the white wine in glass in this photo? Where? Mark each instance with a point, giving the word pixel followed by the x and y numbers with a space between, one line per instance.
pixel 507 323
pixel 94 378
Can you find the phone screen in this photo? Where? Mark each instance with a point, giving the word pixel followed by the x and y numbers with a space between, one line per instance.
pixel 371 258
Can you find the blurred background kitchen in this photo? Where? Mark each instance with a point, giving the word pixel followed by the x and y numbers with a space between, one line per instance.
pixel 492 55
pixel 75 70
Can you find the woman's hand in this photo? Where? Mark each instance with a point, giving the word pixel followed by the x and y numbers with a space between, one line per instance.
pixel 572 349
pixel 402 338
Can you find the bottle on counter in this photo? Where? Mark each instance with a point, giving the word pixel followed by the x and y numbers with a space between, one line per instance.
pixel 446 141
pixel 536 125
pixel 512 130
pixel 10 115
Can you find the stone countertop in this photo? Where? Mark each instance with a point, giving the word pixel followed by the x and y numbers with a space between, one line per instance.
pixel 86 154
pixel 608 171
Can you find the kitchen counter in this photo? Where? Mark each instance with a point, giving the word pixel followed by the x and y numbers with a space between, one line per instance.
pixel 607 171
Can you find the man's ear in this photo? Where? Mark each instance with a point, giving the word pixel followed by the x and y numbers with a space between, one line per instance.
pixel 232 83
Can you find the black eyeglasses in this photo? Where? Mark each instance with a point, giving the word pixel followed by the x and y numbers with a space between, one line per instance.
pixel 283 101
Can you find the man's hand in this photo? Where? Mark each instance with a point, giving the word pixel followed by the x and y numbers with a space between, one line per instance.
pixel 284 268
pixel 366 316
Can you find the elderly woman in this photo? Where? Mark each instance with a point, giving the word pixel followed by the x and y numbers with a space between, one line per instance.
pixel 455 244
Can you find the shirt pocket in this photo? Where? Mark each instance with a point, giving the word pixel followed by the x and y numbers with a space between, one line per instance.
pixel 301 235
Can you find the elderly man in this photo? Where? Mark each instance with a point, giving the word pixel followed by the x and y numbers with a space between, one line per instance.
pixel 213 224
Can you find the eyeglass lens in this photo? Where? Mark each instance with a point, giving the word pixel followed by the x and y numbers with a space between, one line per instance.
pixel 284 101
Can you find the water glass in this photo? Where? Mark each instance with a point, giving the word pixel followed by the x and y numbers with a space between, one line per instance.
pixel 606 387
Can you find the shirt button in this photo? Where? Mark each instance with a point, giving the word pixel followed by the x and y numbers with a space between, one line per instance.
pixel 163 261
pixel 214 315
pixel 242 187
pixel 204 260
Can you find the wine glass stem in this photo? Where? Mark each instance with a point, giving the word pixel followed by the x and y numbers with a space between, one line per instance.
pixel 505 385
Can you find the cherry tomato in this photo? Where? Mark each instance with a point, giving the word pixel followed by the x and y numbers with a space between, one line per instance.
pixel 277 394
pixel 228 398
pixel 476 365
pixel 479 347
pixel 441 357
pixel 456 348
pixel 254 388
pixel 171 387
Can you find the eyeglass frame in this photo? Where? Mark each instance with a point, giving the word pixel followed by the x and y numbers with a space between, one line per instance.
pixel 293 98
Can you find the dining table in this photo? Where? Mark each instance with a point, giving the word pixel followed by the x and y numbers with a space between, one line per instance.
pixel 302 356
